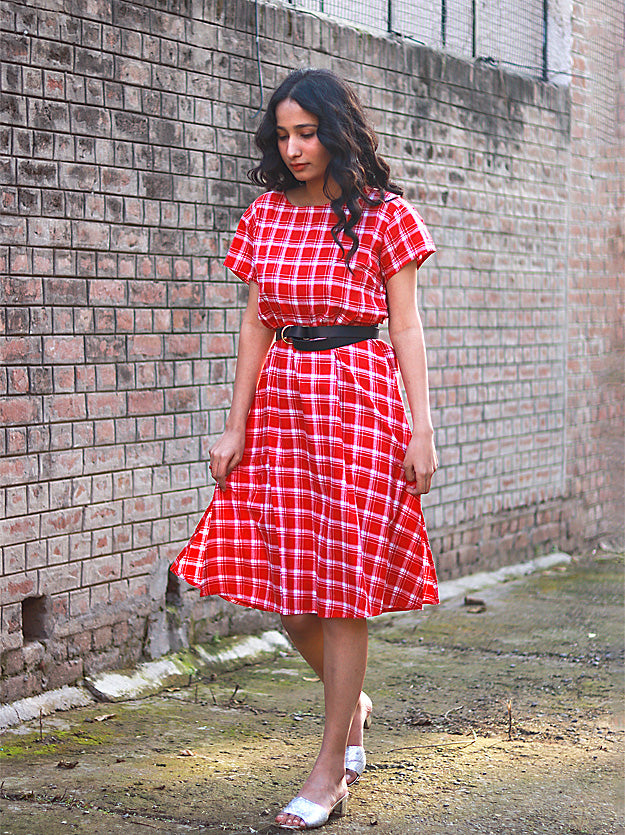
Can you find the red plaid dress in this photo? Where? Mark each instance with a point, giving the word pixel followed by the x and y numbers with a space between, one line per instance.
pixel 317 518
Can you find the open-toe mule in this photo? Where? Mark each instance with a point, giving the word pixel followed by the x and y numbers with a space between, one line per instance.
pixel 356 761
pixel 355 757
pixel 311 813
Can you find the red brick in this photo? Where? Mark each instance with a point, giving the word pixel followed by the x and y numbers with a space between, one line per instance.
pixel 149 293
pixel 19 529
pixel 20 410
pixel 102 515
pixel 14 559
pixel 67 520
pixel 63 349
pixel 106 404
pixel 90 234
pixel 59 578
pixel 101 570
pixel 60 464
pixel 143 507
pixel 184 346
pixel 16 587
pixel 186 294
pixel 18 382
pixel 14 290
pixel 217 346
pixel 22 349
pixel 129 239
pixel 182 399
pixel 102 638
pixel 49 232
pixel 105 348
pixel 63 407
pixel 145 347
pixel 12 662
pixel 66 673
pixel 145 402
pixel 144 454
pixel 139 562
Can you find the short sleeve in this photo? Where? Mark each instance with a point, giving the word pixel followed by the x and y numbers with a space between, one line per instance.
pixel 406 238
pixel 240 257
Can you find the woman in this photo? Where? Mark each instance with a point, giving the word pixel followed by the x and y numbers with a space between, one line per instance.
pixel 318 513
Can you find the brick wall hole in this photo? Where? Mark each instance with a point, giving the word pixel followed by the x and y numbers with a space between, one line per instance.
pixel 35 625
pixel 173 594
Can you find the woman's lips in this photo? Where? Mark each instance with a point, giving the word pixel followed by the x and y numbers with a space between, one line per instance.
pixel 298 166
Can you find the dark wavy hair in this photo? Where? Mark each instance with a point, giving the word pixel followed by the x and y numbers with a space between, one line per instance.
pixel 344 131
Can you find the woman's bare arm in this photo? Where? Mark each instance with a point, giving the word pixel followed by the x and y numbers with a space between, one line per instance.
pixel 254 341
pixel 406 333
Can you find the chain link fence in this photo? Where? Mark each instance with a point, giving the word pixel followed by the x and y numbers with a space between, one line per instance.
pixel 509 33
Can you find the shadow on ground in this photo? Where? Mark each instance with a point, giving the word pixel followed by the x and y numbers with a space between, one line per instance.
pixel 503 716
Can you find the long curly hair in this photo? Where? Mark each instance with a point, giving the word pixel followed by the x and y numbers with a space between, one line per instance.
pixel 343 130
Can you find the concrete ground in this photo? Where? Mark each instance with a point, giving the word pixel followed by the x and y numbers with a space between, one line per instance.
pixel 501 716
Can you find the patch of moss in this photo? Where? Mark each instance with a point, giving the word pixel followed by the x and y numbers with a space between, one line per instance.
pixel 61 742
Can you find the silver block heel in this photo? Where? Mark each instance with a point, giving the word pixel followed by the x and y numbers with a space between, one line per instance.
pixel 311 813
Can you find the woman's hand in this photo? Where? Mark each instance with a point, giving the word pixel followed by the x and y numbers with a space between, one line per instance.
pixel 225 454
pixel 420 463
pixel 254 341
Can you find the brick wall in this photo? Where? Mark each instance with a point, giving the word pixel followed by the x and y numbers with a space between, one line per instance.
pixel 595 349
pixel 126 137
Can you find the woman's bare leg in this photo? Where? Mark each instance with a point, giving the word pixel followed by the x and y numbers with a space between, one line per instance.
pixel 344 643
pixel 306 634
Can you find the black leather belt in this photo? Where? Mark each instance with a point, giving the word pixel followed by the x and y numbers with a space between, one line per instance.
pixel 304 338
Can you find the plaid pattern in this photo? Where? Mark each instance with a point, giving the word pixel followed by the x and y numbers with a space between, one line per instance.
pixel 289 251
pixel 316 517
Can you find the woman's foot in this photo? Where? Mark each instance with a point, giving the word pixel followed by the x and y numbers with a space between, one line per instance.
pixel 362 717
pixel 318 789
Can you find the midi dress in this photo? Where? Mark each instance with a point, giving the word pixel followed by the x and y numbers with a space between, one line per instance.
pixel 316 518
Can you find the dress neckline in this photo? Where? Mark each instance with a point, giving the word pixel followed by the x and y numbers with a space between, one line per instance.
pixel 314 205
pixel 311 206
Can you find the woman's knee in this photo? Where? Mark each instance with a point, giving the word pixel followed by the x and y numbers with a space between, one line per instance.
pixel 299 625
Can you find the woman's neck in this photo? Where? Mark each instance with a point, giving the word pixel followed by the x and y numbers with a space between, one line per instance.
pixel 313 194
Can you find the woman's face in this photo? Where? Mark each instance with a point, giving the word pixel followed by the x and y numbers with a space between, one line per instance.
pixel 298 143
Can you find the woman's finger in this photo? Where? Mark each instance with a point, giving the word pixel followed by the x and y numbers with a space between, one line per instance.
pixel 409 472
pixel 419 484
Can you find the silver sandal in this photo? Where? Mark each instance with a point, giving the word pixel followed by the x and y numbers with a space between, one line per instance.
pixel 356 761
pixel 311 813
pixel 355 757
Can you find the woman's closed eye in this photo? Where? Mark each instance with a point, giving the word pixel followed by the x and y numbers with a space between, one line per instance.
pixel 284 138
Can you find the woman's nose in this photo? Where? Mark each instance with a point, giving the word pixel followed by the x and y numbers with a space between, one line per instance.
pixel 292 147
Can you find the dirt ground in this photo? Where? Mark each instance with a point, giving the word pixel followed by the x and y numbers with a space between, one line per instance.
pixel 502 716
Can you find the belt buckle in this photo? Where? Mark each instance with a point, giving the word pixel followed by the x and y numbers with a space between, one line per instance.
pixel 283 336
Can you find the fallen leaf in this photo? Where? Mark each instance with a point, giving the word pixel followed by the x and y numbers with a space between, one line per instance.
pixel 67 764
pixel 187 753
pixel 160 788
pixel 105 716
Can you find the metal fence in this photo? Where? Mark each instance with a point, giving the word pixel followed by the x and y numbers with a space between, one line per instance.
pixel 502 32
